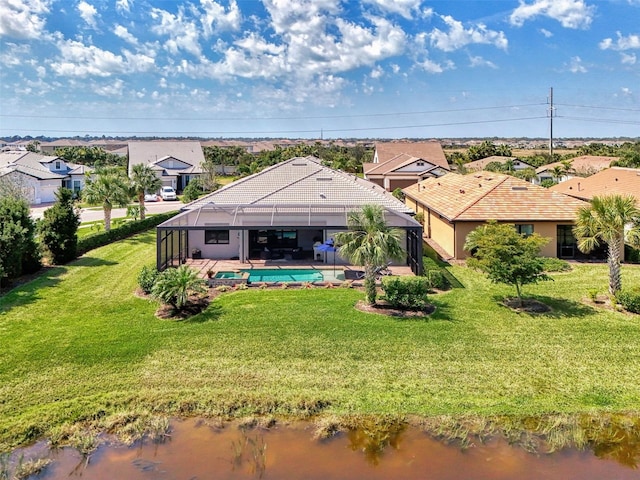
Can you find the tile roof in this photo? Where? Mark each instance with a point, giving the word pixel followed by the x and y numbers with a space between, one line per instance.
pixel 614 180
pixel 33 164
pixel 430 151
pixel 483 162
pixel 588 164
pixel 150 152
pixel 486 195
pixel 304 181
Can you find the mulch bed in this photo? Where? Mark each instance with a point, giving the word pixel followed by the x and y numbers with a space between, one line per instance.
pixel 528 305
pixel 383 308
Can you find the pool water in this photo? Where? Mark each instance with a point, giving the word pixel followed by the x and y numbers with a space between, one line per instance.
pixel 284 275
pixel 229 275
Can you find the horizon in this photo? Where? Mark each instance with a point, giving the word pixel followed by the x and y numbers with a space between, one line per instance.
pixel 332 69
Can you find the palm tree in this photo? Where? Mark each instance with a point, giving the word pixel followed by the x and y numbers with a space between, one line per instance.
pixel 175 286
pixel 109 187
pixel 143 179
pixel 370 242
pixel 558 172
pixel 605 221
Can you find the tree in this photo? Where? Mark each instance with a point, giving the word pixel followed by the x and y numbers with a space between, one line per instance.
pixel 506 256
pixel 59 227
pixel 192 191
pixel 19 252
pixel 558 172
pixel 174 286
pixel 110 187
pixel 370 242
pixel 604 221
pixel 33 146
pixel 143 179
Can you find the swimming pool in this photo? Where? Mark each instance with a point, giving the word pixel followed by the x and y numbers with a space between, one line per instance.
pixel 257 275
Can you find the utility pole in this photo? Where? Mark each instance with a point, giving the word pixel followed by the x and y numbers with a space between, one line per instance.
pixel 551 114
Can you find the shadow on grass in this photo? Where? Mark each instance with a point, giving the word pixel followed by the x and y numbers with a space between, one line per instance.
pixel 25 289
pixel 211 314
pixel 560 307
pixel 86 261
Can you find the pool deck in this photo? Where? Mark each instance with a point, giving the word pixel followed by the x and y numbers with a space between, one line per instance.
pixel 204 265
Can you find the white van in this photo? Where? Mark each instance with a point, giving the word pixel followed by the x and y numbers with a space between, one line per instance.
pixel 168 193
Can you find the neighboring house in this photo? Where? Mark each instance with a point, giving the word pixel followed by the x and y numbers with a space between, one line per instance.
pixel 175 162
pixel 579 167
pixel 478 165
pixel 41 176
pixel 614 180
pixel 279 213
pixel 50 147
pixel 453 205
pixel 400 164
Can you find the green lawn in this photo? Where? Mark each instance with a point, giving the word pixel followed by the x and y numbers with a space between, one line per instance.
pixel 77 344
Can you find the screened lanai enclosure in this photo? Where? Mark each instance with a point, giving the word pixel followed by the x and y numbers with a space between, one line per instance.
pixel 279 232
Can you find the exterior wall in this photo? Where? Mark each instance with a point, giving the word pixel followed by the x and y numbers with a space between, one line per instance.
pixel 440 231
pixel 378 181
pixel 392 184
pixel 544 229
pixel 215 252
pixel 36 191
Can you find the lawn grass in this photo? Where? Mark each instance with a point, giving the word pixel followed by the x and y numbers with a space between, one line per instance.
pixel 77 345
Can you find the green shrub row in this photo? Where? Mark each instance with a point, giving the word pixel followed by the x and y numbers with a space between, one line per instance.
pixel 629 298
pixel 406 292
pixel 552 264
pixel 434 274
pixel 123 231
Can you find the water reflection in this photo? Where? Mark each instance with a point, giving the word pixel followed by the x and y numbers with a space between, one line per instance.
pixel 372 448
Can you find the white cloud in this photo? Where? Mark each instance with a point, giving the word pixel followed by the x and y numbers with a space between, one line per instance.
pixel 478 61
pixel 80 60
pixel 403 8
pixel 217 19
pixel 433 67
pixel 546 33
pixel 124 5
pixel 88 13
pixel 41 71
pixel 628 58
pixel 570 13
pixel 23 19
pixel 377 72
pixel 458 37
pixel 182 32
pixel 124 34
pixel 114 89
pixel 395 68
pixel 626 92
pixel 623 43
pixel 576 66
pixel 14 54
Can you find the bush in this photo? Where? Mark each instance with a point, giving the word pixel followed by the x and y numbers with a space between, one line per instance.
pixel 406 292
pixel 147 278
pixel 433 273
pixel 629 299
pixel 126 230
pixel 59 228
pixel 19 252
pixel 552 264
pixel 175 286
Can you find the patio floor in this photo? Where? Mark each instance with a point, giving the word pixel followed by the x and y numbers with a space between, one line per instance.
pixel 204 265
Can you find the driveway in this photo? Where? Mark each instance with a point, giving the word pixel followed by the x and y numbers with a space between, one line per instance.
pixel 95 213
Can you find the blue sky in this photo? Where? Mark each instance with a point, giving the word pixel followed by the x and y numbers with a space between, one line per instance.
pixel 340 69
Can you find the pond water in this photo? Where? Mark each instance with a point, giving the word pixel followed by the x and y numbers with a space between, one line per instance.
pixel 198 450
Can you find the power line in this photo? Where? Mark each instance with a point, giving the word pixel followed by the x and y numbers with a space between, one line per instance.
pixel 276 132
pixel 600 120
pixel 244 119
pixel 600 108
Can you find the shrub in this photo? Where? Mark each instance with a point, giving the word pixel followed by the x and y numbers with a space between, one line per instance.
pixel 147 278
pixel 593 294
pixel 629 298
pixel 19 252
pixel 552 264
pixel 406 292
pixel 434 275
pixel 59 227
pixel 126 230
pixel 174 286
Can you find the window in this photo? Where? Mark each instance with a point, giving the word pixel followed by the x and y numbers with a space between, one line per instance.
pixel 525 229
pixel 57 165
pixel 420 164
pixel 76 186
pixel 216 236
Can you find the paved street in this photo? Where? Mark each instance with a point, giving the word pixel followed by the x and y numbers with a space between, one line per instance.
pixel 96 213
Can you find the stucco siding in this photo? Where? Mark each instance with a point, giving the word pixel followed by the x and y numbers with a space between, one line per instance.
pixel 441 232
pixel 215 251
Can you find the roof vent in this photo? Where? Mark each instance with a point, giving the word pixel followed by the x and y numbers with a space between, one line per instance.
pixel 324 179
pixel 461 191
pixel 299 164
pixel 519 188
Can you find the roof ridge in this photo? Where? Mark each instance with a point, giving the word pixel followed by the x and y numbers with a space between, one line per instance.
pixel 469 205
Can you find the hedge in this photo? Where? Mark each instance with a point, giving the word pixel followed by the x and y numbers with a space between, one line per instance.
pixel 118 233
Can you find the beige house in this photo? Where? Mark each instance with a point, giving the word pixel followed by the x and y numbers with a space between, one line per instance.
pixel 400 164
pixel 453 205
pixel 583 166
